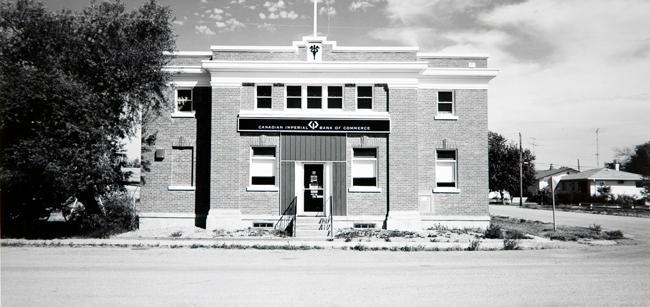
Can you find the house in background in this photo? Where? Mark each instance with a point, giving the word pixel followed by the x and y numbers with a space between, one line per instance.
pixel 542 178
pixel 580 186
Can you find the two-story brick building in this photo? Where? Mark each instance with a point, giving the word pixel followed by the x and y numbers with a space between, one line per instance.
pixel 369 136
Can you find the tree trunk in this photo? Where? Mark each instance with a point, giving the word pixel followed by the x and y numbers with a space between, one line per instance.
pixel 503 201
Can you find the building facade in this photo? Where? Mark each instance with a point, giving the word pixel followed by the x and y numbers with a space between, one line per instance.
pixel 366 137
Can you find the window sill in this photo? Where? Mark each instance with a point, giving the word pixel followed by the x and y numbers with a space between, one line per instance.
pixel 183 115
pixel 446 117
pixel 181 188
pixel 262 189
pixel 447 190
pixel 364 190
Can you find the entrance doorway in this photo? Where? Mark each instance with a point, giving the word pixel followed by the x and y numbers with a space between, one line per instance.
pixel 312 188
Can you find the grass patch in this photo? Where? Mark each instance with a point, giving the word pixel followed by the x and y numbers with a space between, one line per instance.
pixel 517 229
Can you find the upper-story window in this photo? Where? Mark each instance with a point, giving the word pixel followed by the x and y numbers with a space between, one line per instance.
pixel 294 97
pixel 263 99
pixel 364 97
pixel 445 102
pixel 314 97
pixel 334 97
pixel 184 101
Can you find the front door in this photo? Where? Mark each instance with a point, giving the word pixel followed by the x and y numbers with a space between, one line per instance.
pixel 312 188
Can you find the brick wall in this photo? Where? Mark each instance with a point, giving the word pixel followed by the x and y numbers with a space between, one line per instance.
pixel 455 62
pixel 402 147
pixel 179 165
pixel 363 203
pixel 468 135
pixel 256 202
pixel 225 168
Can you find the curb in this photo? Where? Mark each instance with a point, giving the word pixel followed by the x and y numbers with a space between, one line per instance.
pixel 284 244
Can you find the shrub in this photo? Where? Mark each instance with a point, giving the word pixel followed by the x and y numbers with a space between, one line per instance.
pixel 562 236
pixel 613 235
pixel 493 232
pixel 176 234
pixel 510 244
pixel 515 234
pixel 595 228
pixel 119 216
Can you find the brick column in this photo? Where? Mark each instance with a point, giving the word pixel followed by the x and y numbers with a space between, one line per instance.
pixel 224 183
pixel 403 157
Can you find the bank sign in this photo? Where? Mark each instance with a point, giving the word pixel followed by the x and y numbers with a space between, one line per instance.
pixel 313 125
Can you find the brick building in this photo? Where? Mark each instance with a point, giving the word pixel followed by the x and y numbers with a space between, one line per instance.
pixel 318 134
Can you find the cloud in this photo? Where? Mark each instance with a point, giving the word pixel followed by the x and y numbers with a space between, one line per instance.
pixel 277 10
pixel 179 22
pixel 583 63
pixel 203 29
pixel 274 6
pixel 229 25
pixel 362 5
pixel 327 8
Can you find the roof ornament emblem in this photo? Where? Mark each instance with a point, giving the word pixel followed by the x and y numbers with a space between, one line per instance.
pixel 314 50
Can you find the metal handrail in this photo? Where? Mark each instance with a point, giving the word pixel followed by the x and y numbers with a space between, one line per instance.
pixel 292 218
pixel 331 217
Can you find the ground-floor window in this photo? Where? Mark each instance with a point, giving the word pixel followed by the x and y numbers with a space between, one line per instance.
pixel 364 167
pixel 446 168
pixel 263 166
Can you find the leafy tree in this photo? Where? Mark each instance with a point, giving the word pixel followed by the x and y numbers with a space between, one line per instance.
pixel 504 166
pixel 72 85
pixel 637 160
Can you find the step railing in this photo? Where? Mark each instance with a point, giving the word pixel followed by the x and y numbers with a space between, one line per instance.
pixel 287 220
pixel 331 218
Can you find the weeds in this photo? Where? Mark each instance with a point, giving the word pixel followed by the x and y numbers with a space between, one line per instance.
pixel 474 245
pixel 493 232
pixel 510 244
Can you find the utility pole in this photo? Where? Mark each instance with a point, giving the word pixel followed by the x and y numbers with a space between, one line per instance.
pixel 553 197
pixel 597 154
pixel 521 173
pixel 578 165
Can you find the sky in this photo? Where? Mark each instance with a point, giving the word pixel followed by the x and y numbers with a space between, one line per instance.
pixel 567 67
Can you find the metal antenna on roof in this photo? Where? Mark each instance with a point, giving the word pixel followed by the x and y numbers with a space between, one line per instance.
pixel 315 16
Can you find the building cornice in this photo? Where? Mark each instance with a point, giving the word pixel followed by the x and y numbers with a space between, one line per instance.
pixel 283 66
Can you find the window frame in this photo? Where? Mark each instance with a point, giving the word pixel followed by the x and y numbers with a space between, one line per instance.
pixel 342 97
pixel 182 187
pixel 323 94
pixel 256 102
pixel 372 97
pixel 376 163
pixel 176 100
pixel 453 103
pixel 286 97
pixel 437 161
pixel 252 158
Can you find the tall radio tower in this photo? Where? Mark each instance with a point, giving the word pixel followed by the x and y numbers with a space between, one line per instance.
pixel 597 154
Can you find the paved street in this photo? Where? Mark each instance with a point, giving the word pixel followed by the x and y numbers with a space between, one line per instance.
pixel 111 276
pixel 635 226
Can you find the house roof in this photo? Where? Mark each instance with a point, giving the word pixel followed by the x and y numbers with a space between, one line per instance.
pixel 603 174
pixel 551 172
